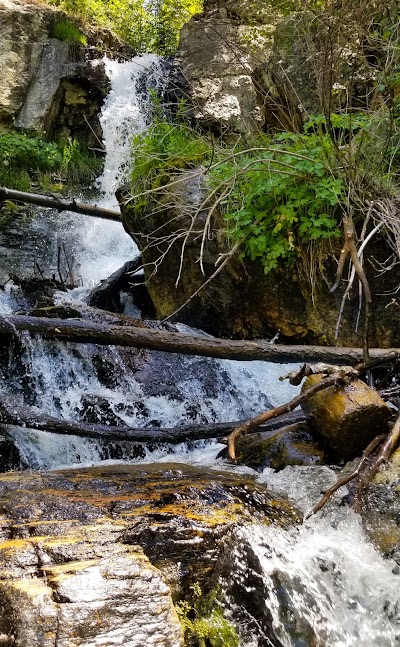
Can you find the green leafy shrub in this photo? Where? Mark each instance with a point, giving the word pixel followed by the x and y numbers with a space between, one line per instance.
pixel 22 158
pixel 275 196
pixel 283 195
pixel 203 621
pixel 160 152
pixel 31 153
pixel 68 32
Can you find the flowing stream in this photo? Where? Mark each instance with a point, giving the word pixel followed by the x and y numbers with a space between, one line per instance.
pixel 325 583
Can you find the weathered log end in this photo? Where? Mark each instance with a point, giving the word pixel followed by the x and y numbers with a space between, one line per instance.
pixel 347 417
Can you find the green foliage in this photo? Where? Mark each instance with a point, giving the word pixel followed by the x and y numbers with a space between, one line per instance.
pixel 146 25
pixel 78 165
pixel 25 159
pixel 31 153
pixel 283 194
pixel 203 622
pixel 275 196
pixel 161 151
pixel 66 30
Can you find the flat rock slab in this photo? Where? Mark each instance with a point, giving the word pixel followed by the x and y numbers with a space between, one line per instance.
pixel 94 556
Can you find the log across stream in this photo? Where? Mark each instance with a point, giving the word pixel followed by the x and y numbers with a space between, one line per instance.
pixel 79 331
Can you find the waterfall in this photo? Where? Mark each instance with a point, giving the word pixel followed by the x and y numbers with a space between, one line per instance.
pixel 325 584
pixel 104 246
pixel 65 380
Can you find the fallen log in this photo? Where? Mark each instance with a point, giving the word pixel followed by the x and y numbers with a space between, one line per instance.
pixel 75 330
pixel 56 202
pixel 12 413
pixel 347 417
pixel 338 378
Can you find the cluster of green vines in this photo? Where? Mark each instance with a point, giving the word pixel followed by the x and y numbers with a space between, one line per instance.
pixel 27 161
pixel 151 25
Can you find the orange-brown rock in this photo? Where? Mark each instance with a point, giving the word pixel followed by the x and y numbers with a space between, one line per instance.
pixel 96 557
pixel 347 417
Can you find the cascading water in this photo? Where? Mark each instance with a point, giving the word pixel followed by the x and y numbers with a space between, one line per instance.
pixel 323 583
pixel 65 380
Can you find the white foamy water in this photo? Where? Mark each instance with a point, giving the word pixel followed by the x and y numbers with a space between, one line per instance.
pixel 326 584
pixel 65 381
pixel 104 246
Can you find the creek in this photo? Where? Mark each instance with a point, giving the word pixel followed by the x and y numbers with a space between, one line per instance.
pixel 325 583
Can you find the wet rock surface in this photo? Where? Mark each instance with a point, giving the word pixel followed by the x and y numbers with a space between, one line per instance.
pixel 292 445
pixel 382 509
pixel 90 556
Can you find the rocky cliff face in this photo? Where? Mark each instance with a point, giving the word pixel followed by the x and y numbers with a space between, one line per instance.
pixel 47 86
pixel 250 65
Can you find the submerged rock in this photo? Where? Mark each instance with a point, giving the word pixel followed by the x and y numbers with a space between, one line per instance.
pixel 292 445
pixel 90 556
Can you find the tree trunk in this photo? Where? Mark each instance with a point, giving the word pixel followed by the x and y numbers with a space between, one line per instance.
pixel 55 202
pixel 174 342
pixel 12 413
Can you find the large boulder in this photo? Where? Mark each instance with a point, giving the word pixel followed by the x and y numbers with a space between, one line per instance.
pixel 241 301
pixel 218 54
pixel 245 66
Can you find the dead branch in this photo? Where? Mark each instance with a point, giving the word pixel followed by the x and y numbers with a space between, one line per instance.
pixel 347 478
pixel 55 202
pixel 350 250
pixel 391 442
pixel 13 413
pixel 365 471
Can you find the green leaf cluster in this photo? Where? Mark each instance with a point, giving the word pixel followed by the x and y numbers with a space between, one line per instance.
pixel 284 193
pixel 22 158
pixel 160 152
pixel 276 195
pixel 25 160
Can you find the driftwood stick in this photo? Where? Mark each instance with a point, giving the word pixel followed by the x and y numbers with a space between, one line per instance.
pixel 55 202
pixel 391 442
pixel 348 477
pixel 253 423
pixel 76 330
